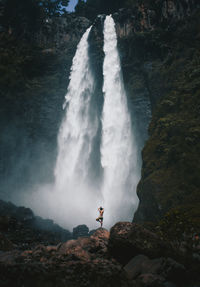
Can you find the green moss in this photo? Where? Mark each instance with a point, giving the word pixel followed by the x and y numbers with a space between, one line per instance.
pixel 171 157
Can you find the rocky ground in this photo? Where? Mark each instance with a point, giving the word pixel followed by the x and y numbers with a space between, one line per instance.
pixel 128 255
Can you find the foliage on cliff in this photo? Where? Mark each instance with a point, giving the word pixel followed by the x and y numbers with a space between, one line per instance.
pixel 92 8
pixel 34 71
pixel 171 157
pixel 26 16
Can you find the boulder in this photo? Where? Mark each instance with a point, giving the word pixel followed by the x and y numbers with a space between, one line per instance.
pixel 136 265
pixel 150 280
pixel 80 231
pixel 129 239
pixel 82 262
pixel 4 223
pixel 5 244
pixel 153 272
pixel 86 248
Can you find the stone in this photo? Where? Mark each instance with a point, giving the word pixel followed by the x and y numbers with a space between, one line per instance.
pixel 169 284
pixel 135 266
pixel 129 239
pixel 74 263
pixel 24 229
pixel 5 244
pixel 155 271
pixel 80 231
pixel 150 280
pixel 86 247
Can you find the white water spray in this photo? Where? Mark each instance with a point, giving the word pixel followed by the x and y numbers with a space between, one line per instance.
pixel 73 200
pixel 118 149
pixel 75 141
pixel 75 196
pixel 78 128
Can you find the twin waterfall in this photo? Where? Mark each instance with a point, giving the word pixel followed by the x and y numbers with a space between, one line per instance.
pixel 118 151
pixel 77 193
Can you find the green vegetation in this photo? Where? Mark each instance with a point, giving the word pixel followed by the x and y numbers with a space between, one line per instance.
pixel 91 8
pixel 25 16
pixel 171 157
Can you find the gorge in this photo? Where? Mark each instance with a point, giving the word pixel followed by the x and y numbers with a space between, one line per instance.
pixel 159 80
pixel 149 42
pixel 84 124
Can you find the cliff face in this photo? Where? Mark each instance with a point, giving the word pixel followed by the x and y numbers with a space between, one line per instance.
pixel 34 70
pixel 159 46
pixel 171 155
pixel 159 52
pixel 160 61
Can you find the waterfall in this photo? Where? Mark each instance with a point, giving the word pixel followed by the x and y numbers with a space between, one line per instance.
pixel 78 127
pixel 118 148
pixel 74 197
pixel 75 142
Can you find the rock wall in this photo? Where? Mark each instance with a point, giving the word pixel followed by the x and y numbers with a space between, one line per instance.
pixel 35 71
pixel 170 67
pixel 159 53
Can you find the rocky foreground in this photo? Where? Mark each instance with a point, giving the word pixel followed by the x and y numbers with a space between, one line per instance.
pixel 128 255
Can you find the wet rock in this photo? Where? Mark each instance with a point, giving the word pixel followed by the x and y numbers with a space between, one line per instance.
pixel 154 272
pixel 169 284
pixel 78 262
pixel 24 229
pixel 5 244
pixel 4 223
pixel 80 231
pixel 129 239
pixel 57 32
pixel 91 232
pixel 150 280
pixel 135 266
pixel 85 248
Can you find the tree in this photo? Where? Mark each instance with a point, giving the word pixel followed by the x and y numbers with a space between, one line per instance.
pixel 21 15
pixel 24 16
pixel 91 8
pixel 52 7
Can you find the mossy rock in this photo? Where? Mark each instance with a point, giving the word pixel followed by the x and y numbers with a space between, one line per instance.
pixel 171 156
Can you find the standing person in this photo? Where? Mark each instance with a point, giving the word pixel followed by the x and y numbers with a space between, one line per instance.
pixel 100 218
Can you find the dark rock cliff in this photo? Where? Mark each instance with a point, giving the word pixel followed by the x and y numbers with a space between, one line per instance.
pixel 34 72
pixel 159 49
pixel 169 66
pixel 22 229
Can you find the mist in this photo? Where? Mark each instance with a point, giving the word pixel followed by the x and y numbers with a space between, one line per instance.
pixel 68 171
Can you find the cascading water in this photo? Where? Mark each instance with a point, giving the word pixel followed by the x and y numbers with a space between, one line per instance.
pixel 75 196
pixel 118 149
pixel 79 127
pixel 78 191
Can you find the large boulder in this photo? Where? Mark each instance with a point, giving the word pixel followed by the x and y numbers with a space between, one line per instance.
pixel 5 244
pixel 155 271
pixel 129 239
pixel 80 231
pixel 82 262
pixel 86 248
